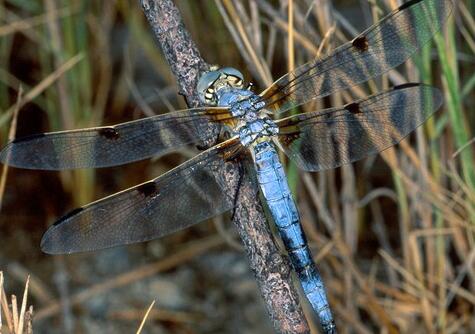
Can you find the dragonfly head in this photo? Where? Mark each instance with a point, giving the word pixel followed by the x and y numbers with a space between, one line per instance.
pixel 213 81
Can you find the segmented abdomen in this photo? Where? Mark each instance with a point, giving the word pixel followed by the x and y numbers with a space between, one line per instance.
pixel 275 189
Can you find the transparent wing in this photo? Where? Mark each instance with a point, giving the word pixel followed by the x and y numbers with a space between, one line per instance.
pixel 112 145
pixel 188 194
pixel 383 46
pixel 337 136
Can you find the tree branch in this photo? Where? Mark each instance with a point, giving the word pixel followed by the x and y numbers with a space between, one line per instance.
pixel 271 269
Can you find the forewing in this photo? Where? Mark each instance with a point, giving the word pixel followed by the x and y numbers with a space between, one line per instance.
pixel 188 194
pixel 337 136
pixel 383 46
pixel 112 145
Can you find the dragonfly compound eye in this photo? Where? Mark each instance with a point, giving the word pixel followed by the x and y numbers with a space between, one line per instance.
pixel 234 78
pixel 206 87
pixel 213 81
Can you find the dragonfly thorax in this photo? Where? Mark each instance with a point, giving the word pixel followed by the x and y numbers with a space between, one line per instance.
pixel 253 123
pixel 224 88
pixel 253 132
pixel 242 103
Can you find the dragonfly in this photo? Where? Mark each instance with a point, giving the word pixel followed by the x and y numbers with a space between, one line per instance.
pixel 197 190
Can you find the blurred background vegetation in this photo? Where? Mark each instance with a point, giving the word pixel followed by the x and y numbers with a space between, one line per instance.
pixel 393 234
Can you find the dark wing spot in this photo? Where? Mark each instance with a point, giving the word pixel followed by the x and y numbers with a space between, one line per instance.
pixel 148 189
pixel 109 133
pixel 361 43
pixel 408 4
pixel 67 216
pixel 353 108
pixel 407 85
pixel 27 138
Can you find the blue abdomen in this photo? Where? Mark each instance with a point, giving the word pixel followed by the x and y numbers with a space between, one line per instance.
pixel 275 189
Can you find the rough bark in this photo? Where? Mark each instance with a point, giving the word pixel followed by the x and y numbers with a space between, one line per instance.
pixel 271 269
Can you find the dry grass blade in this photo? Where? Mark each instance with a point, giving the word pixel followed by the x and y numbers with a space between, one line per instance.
pixel 21 322
pixel 15 314
pixel 469 143
pixel 42 86
pixel 317 199
pixel 467 16
pixel 290 41
pixel 1 296
pixel 32 22
pixel 256 60
pixel 280 23
pixel 145 317
pixel 5 308
pixel 18 321
pixel 417 285
pixel 11 136
pixel 37 288
pixel 64 96
pixel 379 314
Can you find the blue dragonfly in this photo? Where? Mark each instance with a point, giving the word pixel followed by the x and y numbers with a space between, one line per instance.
pixel 193 191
